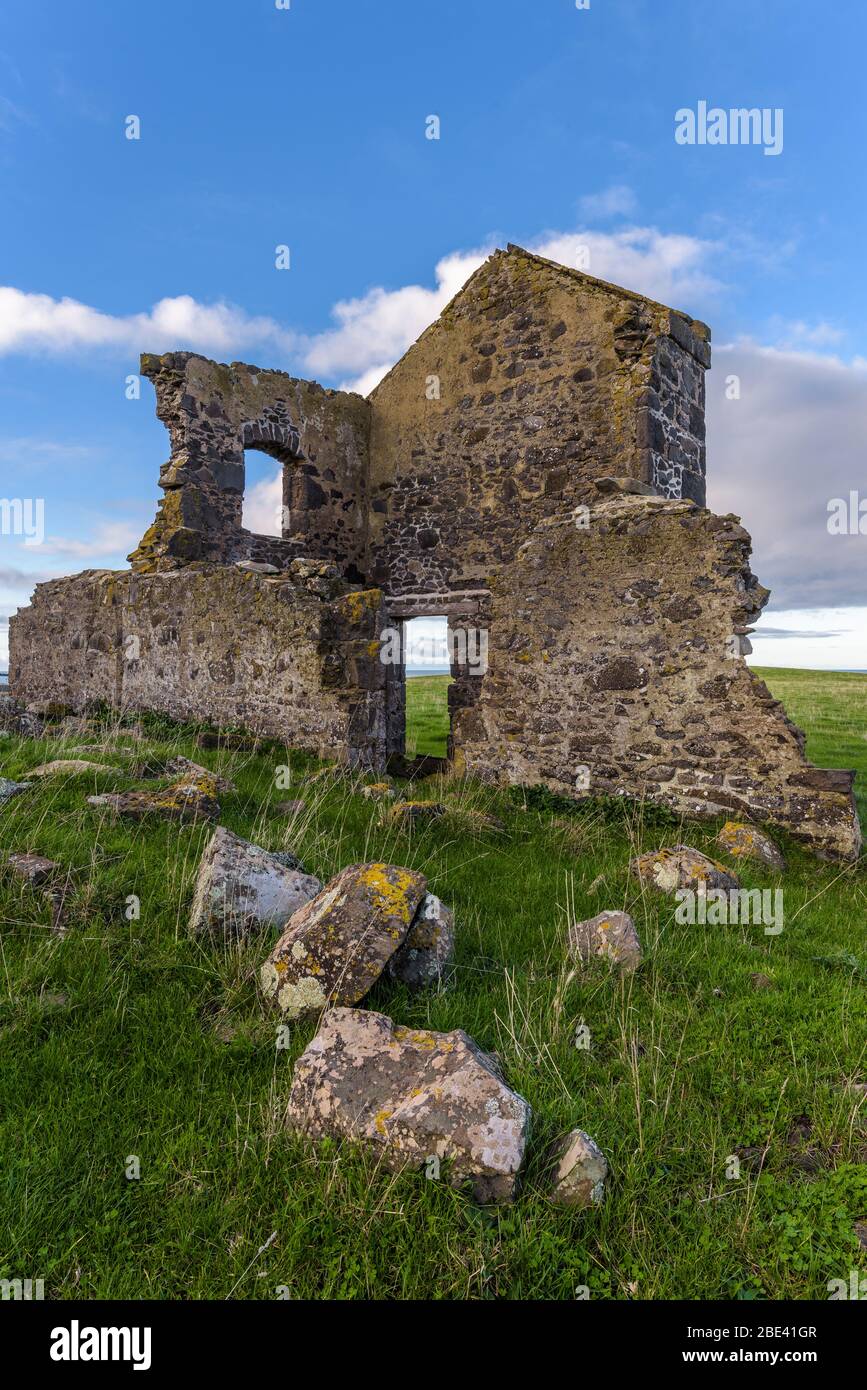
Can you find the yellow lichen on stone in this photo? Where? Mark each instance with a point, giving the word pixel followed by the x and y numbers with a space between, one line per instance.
pixel 389 896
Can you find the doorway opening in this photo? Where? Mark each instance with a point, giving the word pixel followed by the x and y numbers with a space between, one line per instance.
pixel 427 671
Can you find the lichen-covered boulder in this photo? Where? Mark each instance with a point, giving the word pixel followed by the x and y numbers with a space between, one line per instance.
pixel 378 791
pixel 185 768
pixel 32 868
pixel 70 767
pixel 187 800
pixel 579 1171
pixel 744 841
pixel 426 955
pixel 609 936
pixel 50 711
pixel 15 719
pixel 682 867
pixel 335 948
pixel 8 789
pixel 416 1098
pixel 242 888
pixel 412 815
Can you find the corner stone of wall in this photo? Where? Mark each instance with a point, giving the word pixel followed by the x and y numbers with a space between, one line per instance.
pixel 616 648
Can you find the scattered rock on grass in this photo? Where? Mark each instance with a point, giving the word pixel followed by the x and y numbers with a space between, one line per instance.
pixel 15 719
pixel 288 808
pixel 9 789
pixel 609 935
pixel 682 867
pixel 241 888
pixel 415 814
pixel 33 868
pixel 50 710
pixel 580 1170
pixel 417 1099
pixel 185 801
pixel 743 841
pixel 426 955
pixel 335 948
pixel 69 767
pixel 378 791
pixel 288 860
pixel 186 768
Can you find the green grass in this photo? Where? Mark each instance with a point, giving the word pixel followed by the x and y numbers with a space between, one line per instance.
pixel 127 1038
pixel 427 716
pixel 831 707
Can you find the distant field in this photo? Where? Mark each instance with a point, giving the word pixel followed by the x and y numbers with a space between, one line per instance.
pixel 427 716
pixel 831 706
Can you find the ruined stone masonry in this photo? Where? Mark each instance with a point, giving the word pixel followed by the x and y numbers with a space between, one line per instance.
pixel 534 466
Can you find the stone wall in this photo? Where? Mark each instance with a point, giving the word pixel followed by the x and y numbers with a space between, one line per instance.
pixel 294 657
pixel 535 381
pixel 637 676
pixel 540 399
pixel 213 412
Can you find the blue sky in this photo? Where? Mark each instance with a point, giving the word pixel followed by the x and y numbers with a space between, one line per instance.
pixel 306 127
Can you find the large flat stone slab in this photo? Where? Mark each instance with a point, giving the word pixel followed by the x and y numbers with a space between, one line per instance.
pixel 415 1098
pixel 335 948
pixel 243 888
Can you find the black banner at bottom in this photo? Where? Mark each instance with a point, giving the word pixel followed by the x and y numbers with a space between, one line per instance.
pixel 153 1338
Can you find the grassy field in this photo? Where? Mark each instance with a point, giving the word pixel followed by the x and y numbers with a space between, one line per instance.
pixel 831 707
pixel 427 716
pixel 126 1038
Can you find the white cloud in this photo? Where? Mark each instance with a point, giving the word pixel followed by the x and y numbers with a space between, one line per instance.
pixel 381 325
pixel 11 577
pixel 818 639
pixel 110 541
pixel 799 335
pixel 365 383
pixel 37 323
pixel 778 455
pixel 28 450
pixel 661 265
pixel 373 330
pixel 616 201
pixel 263 506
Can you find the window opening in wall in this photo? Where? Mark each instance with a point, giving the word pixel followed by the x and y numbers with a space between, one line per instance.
pixel 262 510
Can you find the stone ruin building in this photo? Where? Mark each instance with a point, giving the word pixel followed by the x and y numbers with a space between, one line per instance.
pixel 533 467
